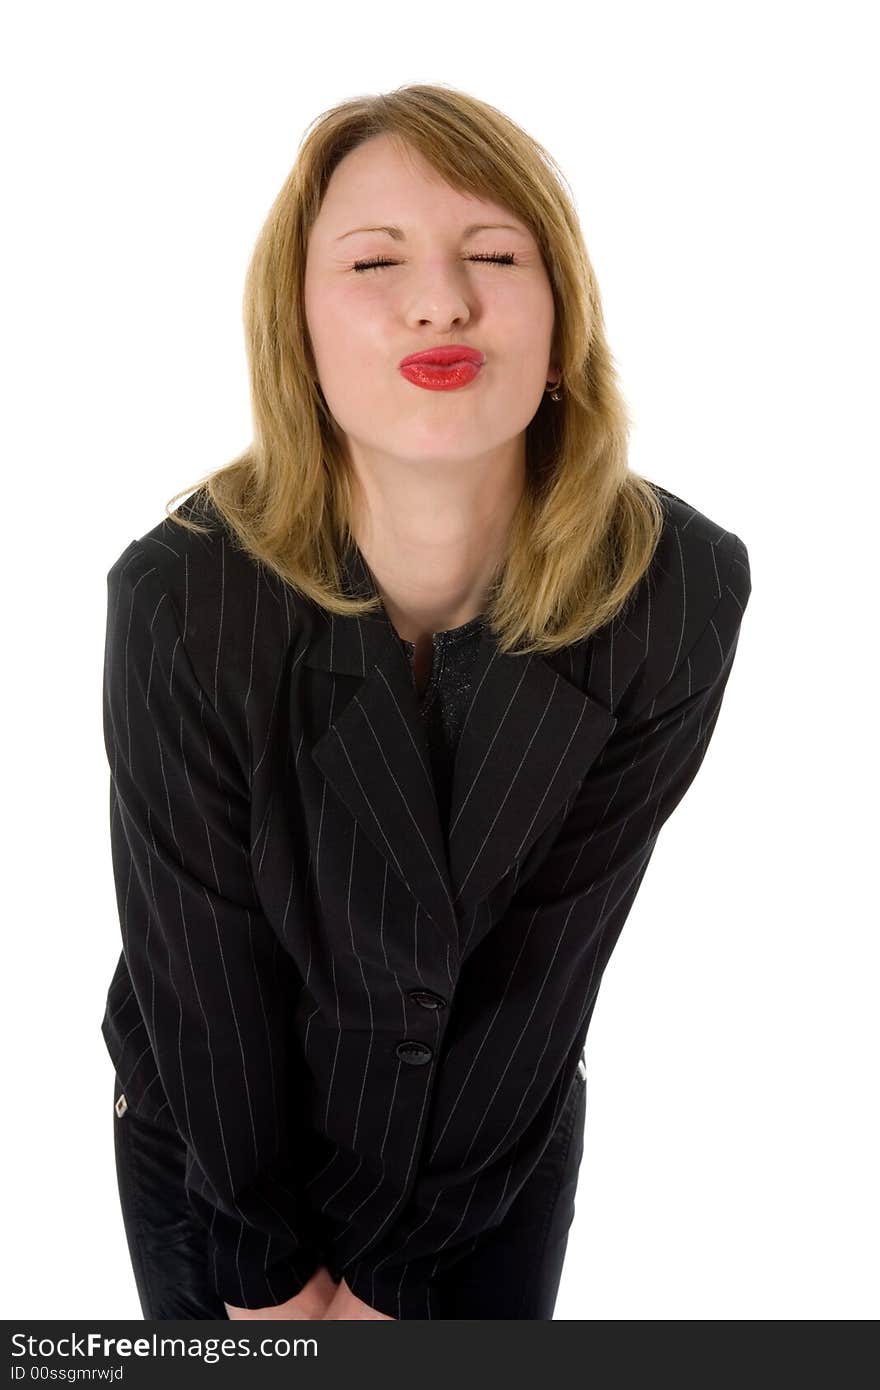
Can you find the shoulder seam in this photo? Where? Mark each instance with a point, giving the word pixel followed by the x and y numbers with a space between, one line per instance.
pixel 734 542
pixel 726 589
pixel 161 587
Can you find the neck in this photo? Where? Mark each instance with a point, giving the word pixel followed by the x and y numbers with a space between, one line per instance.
pixel 434 547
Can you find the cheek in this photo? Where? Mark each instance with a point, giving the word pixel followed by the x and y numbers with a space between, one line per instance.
pixel 349 326
pixel 524 322
pixel 357 371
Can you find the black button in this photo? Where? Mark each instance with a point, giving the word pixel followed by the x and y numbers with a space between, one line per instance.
pixel 416 1053
pixel 427 998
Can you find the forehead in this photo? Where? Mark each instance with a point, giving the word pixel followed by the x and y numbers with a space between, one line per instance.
pixel 383 182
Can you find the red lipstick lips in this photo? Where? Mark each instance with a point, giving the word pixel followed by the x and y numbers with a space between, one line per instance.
pixel 446 356
pixel 442 368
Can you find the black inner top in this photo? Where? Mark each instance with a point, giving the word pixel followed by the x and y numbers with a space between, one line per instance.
pixel 444 702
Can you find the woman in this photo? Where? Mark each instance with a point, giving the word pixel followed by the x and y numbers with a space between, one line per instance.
pixel 395 708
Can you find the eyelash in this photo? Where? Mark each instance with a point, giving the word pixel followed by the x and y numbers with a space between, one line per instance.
pixel 500 258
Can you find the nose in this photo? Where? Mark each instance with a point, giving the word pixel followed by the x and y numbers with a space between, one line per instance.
pixel 440 298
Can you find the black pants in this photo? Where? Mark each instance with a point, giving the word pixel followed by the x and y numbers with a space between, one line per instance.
pixel 513 1271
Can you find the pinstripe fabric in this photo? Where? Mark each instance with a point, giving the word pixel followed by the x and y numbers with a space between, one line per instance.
pixel 364 1034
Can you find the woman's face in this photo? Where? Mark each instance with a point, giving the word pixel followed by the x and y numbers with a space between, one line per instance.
pixel 436 291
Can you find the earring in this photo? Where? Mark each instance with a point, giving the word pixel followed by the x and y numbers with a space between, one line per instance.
pixel 553 386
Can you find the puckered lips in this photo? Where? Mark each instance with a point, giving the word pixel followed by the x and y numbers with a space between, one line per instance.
pixel 443 368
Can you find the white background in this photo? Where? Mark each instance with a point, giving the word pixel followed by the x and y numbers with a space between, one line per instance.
pixel 723 170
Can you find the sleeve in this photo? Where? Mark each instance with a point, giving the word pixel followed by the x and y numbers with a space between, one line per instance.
pixel 586 884
pixel 203 961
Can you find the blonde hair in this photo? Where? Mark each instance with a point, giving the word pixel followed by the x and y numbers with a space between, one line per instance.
pixel 586 526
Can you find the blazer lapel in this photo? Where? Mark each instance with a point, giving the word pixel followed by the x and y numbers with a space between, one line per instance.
pixel 375 754
pixel 528 740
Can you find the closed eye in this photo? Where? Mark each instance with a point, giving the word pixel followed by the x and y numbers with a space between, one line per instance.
pixel 500 258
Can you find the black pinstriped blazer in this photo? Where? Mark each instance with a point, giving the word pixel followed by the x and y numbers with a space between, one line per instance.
pixel 366 1036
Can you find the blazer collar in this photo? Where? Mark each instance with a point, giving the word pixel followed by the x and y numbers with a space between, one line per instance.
pixel 528 740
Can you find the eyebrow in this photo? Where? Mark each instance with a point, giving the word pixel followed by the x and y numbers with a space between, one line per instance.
pixel 398 234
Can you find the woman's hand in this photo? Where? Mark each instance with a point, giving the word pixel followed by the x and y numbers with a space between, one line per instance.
pixel 309 1305
pixel 347 1306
